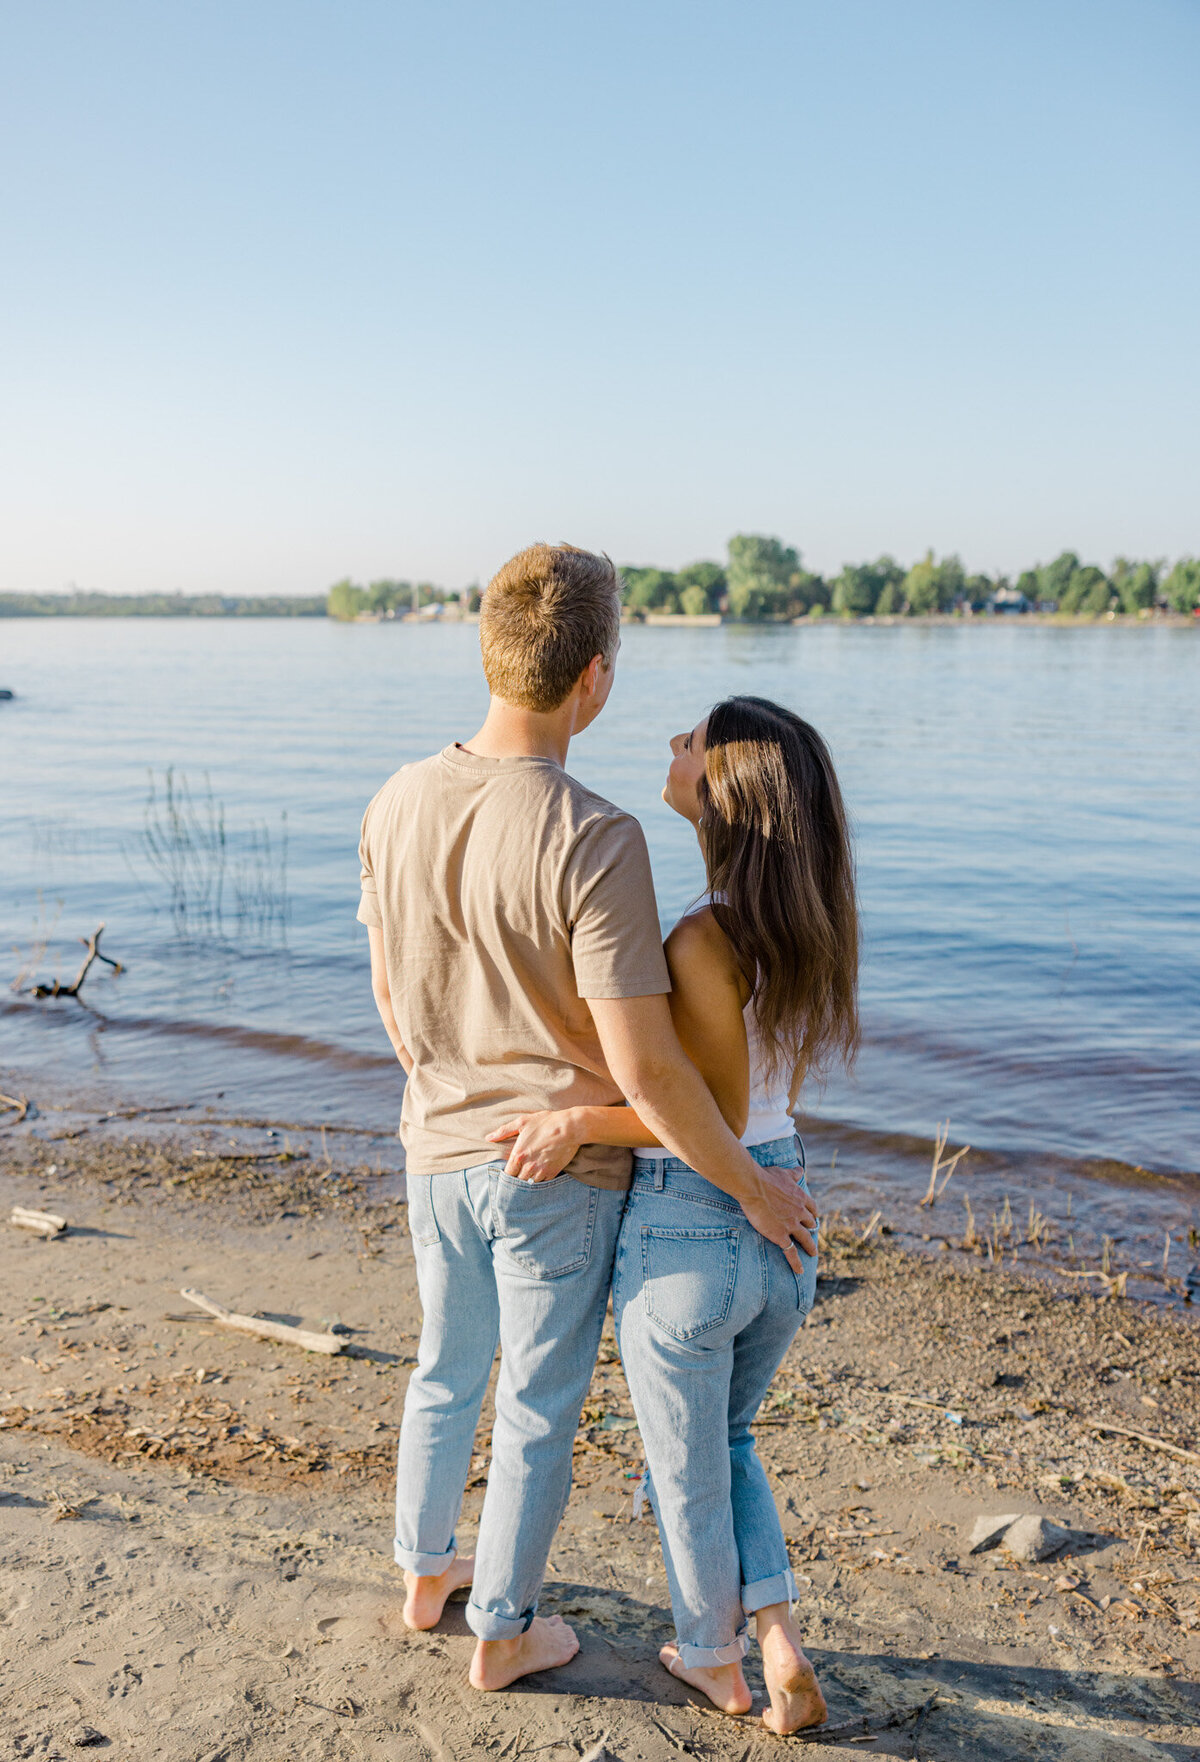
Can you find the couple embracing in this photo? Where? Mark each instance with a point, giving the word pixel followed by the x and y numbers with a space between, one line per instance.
pixel 589 1113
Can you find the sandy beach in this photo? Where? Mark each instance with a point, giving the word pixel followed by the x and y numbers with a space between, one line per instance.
pixel 196 1556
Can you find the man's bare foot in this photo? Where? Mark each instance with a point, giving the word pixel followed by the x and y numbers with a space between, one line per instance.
pixel 724 1684
pixel 796 1698
pixel 427 1596
pixel 545 1644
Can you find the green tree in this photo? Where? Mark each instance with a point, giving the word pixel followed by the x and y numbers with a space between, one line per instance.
pixel 807 592
pixel 1029 582
pixel 1055 578
pixel 345 601
pixel 694 600
pixel 763 573
pixel 388 595
pixel 1088 591
pixel 889 601
pixel 1136 584
pixel 1182 586
pixel 648 590
pixel 858 588
pixel 933 587
pixel 709 578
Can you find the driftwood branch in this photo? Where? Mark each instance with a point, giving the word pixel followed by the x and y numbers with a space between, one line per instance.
pixel 266 1330
pixel 20 1103
pixel 42 1223
pixel 92 944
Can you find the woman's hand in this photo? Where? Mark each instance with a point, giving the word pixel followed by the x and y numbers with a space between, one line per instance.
pixel 545 1143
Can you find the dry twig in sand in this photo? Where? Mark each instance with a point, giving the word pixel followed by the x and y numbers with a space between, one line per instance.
pixel 866 1725
pixel 870 1229
pixel 266 1330
pixel 42 1223
pixel 941 1161
pixel 92 944
pixel 20 1103
pixel 1151 1443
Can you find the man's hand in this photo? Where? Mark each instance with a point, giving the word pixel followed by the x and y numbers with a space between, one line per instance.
pixel 783 1212
pixel 545 1143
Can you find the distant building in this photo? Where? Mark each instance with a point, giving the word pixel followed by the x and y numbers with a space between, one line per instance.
pixel 1009 599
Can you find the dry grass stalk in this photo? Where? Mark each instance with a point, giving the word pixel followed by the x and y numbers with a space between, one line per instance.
pixel 870 1229
pixel 970 1238
pixel 940 1162
pixel 1038 1232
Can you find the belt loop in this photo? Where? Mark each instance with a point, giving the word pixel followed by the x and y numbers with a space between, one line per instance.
pixel 660 1173
pixel 800 1152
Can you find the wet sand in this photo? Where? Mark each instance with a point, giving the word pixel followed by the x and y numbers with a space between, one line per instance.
pixel 196 1556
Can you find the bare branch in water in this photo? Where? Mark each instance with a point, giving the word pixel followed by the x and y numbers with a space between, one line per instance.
pixel 92 944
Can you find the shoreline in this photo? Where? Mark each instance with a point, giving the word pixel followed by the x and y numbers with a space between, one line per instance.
pixel 218 1506
pixel 1066 1220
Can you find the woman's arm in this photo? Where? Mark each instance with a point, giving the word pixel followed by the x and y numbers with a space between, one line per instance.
pixel 708 995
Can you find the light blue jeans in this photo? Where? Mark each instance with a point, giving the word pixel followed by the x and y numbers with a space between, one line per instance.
pixel 705 1310
pixel 527 1266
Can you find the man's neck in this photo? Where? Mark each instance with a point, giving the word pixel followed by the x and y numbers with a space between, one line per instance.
pixel 510 732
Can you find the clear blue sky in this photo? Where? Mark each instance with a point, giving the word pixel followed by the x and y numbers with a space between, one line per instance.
pixel 298 290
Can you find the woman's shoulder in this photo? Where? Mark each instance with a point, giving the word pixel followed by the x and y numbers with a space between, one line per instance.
pixel 698 950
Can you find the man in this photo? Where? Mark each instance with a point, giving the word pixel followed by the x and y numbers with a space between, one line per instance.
pixel 517 964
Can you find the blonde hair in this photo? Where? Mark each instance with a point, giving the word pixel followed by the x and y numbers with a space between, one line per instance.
pixel 543 617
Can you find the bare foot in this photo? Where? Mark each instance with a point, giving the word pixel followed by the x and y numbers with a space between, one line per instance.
pixel 724 1684
pixel 545 1644
pixel 796 1698
pixel 427 1596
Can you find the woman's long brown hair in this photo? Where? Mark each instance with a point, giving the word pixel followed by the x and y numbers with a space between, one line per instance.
pixel 776 842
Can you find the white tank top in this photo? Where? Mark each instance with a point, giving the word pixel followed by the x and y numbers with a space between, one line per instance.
pixel 768 1117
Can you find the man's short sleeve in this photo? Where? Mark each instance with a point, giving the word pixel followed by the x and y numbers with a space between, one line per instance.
pixel 368 906
pixel 608 898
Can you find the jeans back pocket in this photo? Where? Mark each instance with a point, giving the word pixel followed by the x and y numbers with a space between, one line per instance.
pixel 543 1228
pixel 688 1278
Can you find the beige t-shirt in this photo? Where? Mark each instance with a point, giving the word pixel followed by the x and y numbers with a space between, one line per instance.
pixel 508 894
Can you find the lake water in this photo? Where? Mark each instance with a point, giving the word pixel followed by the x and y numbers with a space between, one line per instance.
pixel 1026 802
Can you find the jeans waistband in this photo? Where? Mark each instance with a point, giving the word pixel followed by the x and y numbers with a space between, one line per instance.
pixel 653 1174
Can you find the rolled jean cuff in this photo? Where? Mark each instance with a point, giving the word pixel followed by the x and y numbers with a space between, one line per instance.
pixel 485 1624
pixel 779 1588
pixel 706 1657
pixel 424 1565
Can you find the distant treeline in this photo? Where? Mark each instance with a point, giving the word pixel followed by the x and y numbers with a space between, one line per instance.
pixel 764 580
pixel 155 605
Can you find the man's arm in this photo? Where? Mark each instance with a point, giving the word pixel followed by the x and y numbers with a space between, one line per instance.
pixel 383 996
pixel 666 1090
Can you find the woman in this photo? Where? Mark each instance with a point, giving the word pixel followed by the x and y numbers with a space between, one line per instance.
pixel 764 974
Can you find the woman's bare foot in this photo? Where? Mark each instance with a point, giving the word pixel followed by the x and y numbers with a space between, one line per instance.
pixel 545 1644
pixel 724 1684
pixel 427 1596
pixel 796 1698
